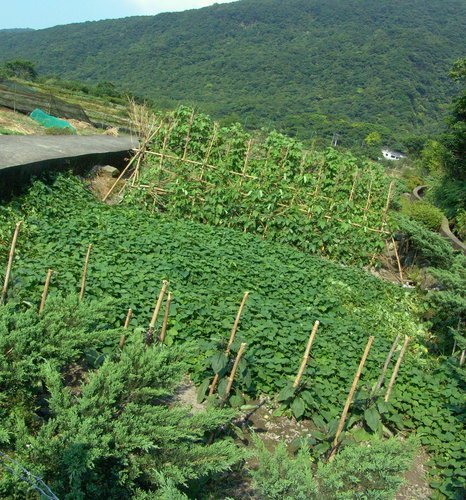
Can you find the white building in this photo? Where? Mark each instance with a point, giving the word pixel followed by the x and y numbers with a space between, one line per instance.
pixel 388 154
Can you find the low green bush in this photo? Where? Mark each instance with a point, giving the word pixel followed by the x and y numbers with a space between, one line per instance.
pixel 282 477
pixel 424 213
pixel 92 420
pixel 372 471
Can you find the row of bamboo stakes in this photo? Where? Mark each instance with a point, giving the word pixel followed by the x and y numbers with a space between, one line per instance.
pixel 154 129
pixel 241 351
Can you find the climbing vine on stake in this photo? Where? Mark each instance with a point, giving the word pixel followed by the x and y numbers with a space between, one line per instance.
pixel 230 343
pixel 295 396
pixel 349 400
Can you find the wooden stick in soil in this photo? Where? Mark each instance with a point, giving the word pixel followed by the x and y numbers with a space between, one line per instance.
pixel 110 191
pixel 349 399
pixel 387 205
pixel 188 136
pixel 400 269
pixel 234 329
pixel 231 378
pixel 163 332
pixel 306 355
pixel 385 366
pixel 462 358
pixel 158 304
pixel 396 369
pixel 45 291
pixel 84 275
pixel 155 315
pixel 209 151
pixel 126 325
pixel 246 161
pixel 10 262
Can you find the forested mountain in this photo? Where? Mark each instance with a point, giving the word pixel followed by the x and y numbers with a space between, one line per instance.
pixel 308 67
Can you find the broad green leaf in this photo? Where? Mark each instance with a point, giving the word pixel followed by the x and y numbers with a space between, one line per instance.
pixel 219 362
pixel 298 407
pixel 202 390
pixel 372 418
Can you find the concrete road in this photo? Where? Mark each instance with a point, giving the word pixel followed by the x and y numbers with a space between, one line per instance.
pixel 29 149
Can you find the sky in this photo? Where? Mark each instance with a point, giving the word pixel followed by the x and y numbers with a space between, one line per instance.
pixel 39 14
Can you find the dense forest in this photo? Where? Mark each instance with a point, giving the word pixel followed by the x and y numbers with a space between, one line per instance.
pixel 310 68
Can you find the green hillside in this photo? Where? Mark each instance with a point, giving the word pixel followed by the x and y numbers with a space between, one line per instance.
pixel 308 67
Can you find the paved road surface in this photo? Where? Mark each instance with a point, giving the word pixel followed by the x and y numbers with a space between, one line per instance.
pixel 25 150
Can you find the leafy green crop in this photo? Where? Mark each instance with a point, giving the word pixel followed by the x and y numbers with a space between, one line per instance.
pixel 209 269
pixel 330 204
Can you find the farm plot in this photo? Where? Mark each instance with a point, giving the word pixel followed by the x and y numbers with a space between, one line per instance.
pixel 209 269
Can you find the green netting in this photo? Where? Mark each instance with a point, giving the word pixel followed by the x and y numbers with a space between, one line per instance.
pixel 50 121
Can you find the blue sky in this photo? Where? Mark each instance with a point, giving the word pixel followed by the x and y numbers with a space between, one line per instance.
pixel 45 13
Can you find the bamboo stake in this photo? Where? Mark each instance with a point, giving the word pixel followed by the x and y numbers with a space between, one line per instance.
pixel 369 196
pixel 84 275
pixel 353 188
pixel 209 150
pixel 387 205
pixel 462 359
pixel 128 318
pixel 234 329
pixel 246 161
pixel 188 135
pixel 122 342
pixel 306 354
pixel 349 400
pixel 397 367
pixel 199 163
pixel 158 304
pixel 385 366
pixel 231 378
pixel 10 262
pixel 45 291
pixel 400 269
pixel 163 332
pixel 110 191
pixel 165 142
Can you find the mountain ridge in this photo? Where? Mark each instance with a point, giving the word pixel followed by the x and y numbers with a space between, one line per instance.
pixel 307 67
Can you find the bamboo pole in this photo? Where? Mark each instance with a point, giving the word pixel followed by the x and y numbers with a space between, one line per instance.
pixel 200 163
pixel 306 354
pixel 126 325
pixel 163 332
pixel 188 135
pixel 385 366
pixel 84 275
pixel 110 191
pixel 165 143
pixel 396 369
pixel 462 358
pixel 158 304
pixel 387 204
pixel 10 262
pixel 246 161
pixel 353 188
pixel 209 150
pixel 234 329
pixel 349 399
pixel 400 269
pixel 369 196
pixel 45 291
pixel 231 378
